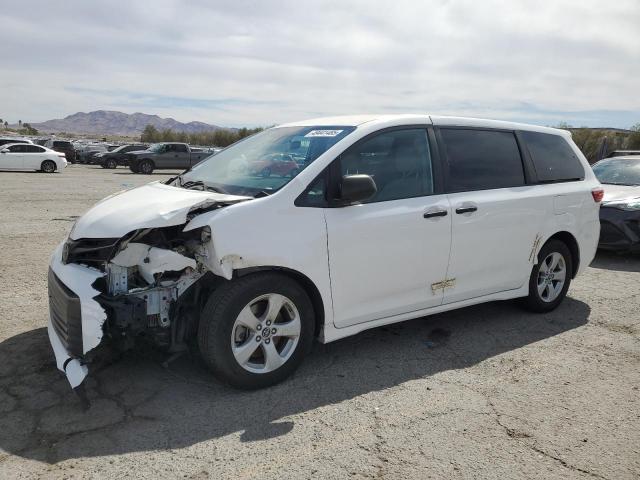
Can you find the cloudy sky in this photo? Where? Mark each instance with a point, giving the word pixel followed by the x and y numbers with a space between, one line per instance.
pixel 263 62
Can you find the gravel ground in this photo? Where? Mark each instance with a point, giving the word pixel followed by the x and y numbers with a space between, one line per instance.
pixel 483 392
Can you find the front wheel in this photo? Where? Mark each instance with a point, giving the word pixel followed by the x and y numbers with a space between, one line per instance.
pixel 48 166
pixel 146 167
pixel 111 163
pixel 255 331
pixel 550 278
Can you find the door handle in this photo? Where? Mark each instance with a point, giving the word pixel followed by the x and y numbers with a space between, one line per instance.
pixel 435 213
pixel 468 209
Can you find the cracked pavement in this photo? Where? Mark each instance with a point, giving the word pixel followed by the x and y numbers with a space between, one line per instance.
pixel 484 392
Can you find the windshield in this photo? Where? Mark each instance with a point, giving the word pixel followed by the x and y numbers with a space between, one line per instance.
pixel 266 161
pixel 618 171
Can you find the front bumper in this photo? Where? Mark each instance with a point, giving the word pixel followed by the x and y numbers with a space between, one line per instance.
pixel 619 229
pixel 75 317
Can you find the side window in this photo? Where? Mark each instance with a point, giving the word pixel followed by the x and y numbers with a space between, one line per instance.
pixel 16 149
pixel 482 159
pixel 315 196
pixel 553 158
pixel 180 148
pixel 33 149
pixel 399 161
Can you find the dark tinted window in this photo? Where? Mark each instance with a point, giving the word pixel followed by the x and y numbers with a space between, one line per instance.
pixel 180 148
pixel 33 149
pixel 482 159
pixel 17 148
pixel 62 145
pixel 553 158
pixel 399 162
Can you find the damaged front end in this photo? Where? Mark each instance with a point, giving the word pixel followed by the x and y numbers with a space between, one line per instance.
pixel 146 285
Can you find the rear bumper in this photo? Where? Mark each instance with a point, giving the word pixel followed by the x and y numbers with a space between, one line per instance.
pixel 619 230
pixel 75 317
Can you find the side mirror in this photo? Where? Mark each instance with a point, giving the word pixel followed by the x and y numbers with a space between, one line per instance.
pixel 356 188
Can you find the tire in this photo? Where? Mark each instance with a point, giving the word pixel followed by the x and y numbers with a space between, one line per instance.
pixel 134 168
pixel 145 167
pixel 219 328
pixel 110 163
pixel 554 253
pixel 48 166
pixel 265 172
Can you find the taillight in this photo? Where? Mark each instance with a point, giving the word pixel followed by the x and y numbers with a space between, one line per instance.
pixel 597 194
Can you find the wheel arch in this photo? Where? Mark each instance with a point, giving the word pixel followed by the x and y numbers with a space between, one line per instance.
pixel 305 282
pixel 55 164
pixel 572 244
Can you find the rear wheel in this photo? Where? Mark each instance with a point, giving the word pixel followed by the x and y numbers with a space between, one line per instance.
pixel 48 166
pixel 550 278
pixel 110 163
pixel 255 331
pixel 146 167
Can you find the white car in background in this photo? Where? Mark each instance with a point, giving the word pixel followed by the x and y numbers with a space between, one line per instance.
pixel 26 156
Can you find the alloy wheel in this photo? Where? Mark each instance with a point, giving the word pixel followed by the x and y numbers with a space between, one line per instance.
pixel 551 277
pixel 265 333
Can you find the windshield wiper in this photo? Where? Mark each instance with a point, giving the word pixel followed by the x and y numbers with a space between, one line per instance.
pixel 199 183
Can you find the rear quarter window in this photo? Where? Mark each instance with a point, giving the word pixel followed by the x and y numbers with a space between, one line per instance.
pixel 553 158
pixel 482 159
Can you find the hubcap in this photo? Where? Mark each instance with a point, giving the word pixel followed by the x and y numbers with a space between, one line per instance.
pixel 265 333
pixel 551 277
pixel 48 168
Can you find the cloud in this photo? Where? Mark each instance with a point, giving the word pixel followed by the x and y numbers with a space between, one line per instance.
pixel 259 63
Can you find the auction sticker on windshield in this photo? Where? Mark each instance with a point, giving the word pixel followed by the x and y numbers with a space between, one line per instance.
pixel 324 133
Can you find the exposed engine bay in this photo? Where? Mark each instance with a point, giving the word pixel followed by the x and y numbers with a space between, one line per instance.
pixel 145 281
pixel 147 285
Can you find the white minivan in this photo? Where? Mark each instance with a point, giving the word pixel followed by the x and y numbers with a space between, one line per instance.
pixel 386 218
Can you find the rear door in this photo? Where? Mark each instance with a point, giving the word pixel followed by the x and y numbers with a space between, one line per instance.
pixel 496 212
pixel 33 156
pixel 183 158
pixel 13 159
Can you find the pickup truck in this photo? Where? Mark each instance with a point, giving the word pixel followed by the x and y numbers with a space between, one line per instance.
pixel 165 156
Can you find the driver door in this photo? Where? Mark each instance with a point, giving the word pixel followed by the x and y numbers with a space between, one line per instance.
pixel 385 254
pixel 12 158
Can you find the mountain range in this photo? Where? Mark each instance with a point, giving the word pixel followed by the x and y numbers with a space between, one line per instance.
pixel 108 122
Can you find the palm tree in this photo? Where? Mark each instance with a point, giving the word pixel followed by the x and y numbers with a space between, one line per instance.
pixel 20 123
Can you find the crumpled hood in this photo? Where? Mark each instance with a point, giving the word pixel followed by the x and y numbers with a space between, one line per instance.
pixel 619 192
pixel 150 206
